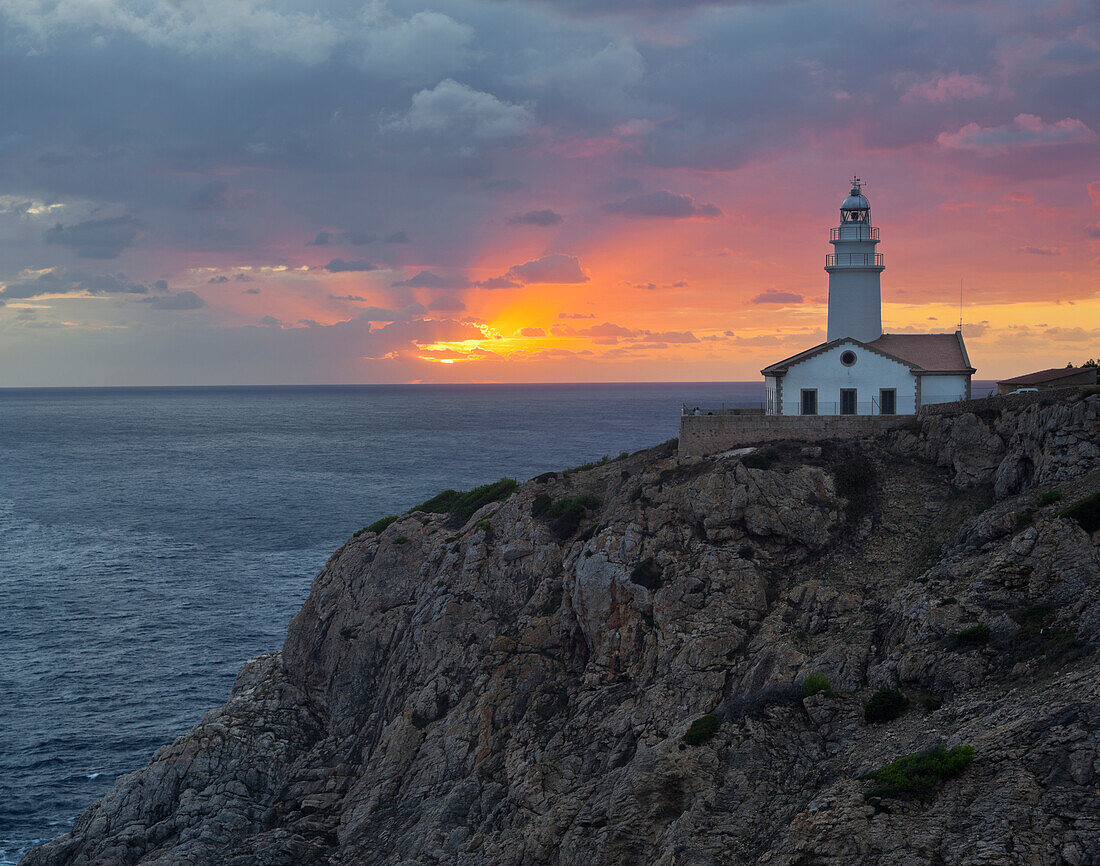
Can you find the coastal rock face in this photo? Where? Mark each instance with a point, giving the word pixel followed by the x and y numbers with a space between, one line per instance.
pixel 515 690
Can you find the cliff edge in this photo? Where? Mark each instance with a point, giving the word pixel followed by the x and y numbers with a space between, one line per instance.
pixel 668 660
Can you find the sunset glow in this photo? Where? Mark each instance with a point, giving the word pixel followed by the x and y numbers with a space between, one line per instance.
pixel 606 195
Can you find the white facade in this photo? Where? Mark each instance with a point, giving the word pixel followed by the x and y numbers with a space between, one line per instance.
pixel 870 373
pixel 860 370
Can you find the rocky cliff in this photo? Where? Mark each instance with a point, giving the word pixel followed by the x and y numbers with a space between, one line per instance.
pixel 520 688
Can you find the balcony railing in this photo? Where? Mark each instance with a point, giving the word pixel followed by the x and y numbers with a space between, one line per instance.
pixel 855 233
pixel 854 260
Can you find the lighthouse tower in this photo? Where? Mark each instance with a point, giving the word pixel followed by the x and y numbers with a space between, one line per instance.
pixel 855 297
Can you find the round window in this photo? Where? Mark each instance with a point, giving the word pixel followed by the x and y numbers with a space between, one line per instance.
pixel 847 358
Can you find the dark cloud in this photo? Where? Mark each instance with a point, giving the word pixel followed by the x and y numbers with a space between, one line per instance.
pixel 1040 251
pixel 95 239
pixel 777 298
pixel 211 196
pixel 552 268
pixel 221 278
pixel 607 329
pixel 62 282
pixel 537 218
pixel 1092 230
pixel 398 238
pixel 252 291
pixel 668 337
pixel 354 238
pixel 576 315
pixel 338 266
pixel 427 280
pixel 663 205
pixel 177 302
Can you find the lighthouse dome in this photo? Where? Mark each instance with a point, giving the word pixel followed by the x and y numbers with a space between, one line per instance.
pixel 855 201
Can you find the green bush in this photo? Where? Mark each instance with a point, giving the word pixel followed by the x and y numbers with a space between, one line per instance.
pixel 648 574
pixel 541 505
pixel 484 524
pixel 1050 497
pixel 756 460
pixel 401 539
pixel 976 635
pixel 1086 512
pixel 462 505
pixel 701 730
pixel 917 776
pixel 567 513
pixel 885 705
pixel 379 524
pixel 853 482
pixel 816 683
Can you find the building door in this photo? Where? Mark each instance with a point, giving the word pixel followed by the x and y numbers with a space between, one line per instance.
pixel 847 401
pixel 888 401
pixel 809 401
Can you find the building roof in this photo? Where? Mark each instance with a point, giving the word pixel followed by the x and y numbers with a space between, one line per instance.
pixel 1042 376
pixel 922 353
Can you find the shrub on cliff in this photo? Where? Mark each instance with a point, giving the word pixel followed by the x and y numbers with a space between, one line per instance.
pixel 461 505
pixel 1086 512
pixel 975 635
pixel 853 482
pixel 885 705
pixel 816 683
pixel 378 525
pixel 566 513
pixel 918 776
pixel 701 730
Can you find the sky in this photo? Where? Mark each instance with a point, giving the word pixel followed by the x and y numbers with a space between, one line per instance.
pixel 251 192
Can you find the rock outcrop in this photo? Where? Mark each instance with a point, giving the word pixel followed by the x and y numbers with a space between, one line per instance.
pixel 515 690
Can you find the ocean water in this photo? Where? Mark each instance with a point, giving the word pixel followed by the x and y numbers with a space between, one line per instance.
pixel 151 540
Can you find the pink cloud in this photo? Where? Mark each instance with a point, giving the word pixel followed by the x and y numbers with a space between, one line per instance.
pixel 947 88
pixel 1025 130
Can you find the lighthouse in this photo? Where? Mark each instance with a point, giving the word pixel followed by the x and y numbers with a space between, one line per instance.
pixel 855 295
pixel 859 370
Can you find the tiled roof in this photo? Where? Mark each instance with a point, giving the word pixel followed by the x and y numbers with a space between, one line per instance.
pixel 1042 376
pixel 932 353
pixel 923 353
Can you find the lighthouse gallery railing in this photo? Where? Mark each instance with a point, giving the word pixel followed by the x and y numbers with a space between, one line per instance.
pixel 857 260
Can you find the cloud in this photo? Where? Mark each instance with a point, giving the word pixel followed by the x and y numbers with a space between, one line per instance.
pixel 506 184
pixel 180 301
pixel 382 314
pixel 424 279
pixel 1092 230
pixel 532 332
pixel 552 268
pixel 418 50
pixel 400 237
pixel 607 329
pixel 947 88
pixel 777 298
pixel 212 196
pixel 669 337
pixel 451 107
pixel 537 218
pixel 663 205
pixel 339 266
pixel 221 278
pixel 252 291
pixel 326 238
pixel 1025 130
pixel 576 315
pixel 62 282
pixel 1041 251
pixel 95 239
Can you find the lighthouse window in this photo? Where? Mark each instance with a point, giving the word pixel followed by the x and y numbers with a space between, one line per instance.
pixel 847 358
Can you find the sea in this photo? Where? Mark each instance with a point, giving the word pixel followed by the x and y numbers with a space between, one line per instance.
pixel 153 539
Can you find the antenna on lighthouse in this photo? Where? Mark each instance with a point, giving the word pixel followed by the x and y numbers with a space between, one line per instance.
pixel 960 303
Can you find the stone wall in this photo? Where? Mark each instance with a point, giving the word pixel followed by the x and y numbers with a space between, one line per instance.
pixel 708 434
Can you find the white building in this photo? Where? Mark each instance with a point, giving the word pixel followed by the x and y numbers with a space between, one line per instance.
pixel 860 370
